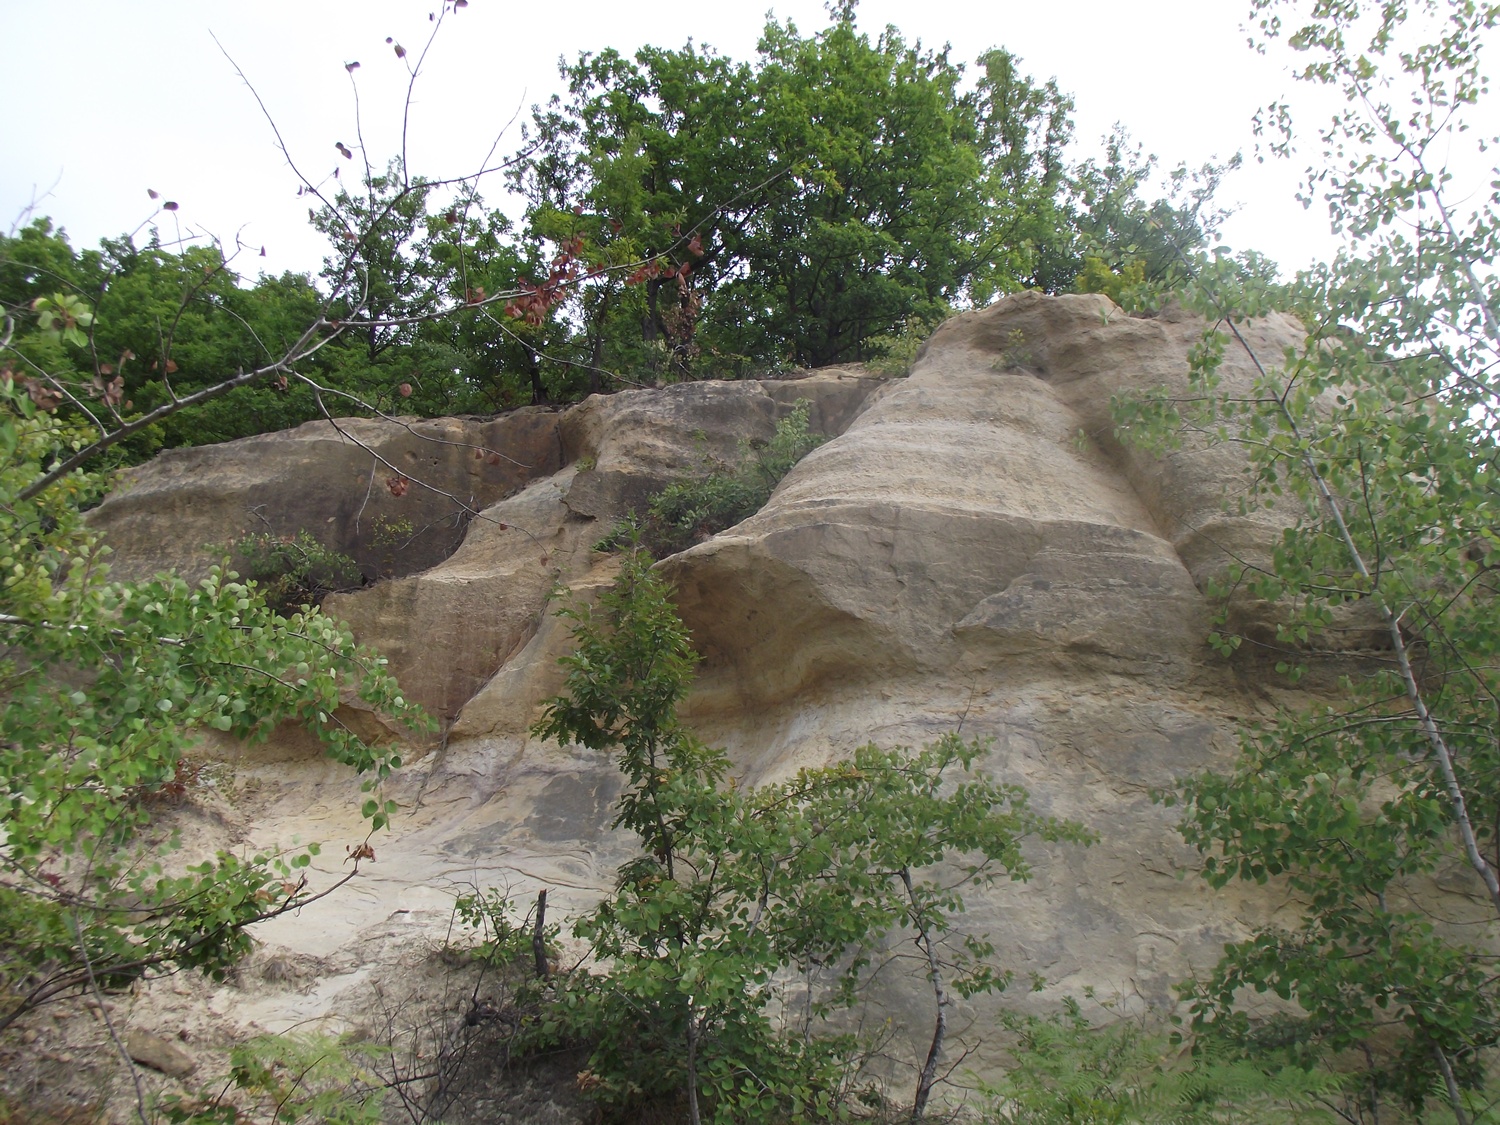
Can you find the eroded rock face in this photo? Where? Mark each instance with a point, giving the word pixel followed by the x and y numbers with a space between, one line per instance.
pixel 972 550
pixel 980 514
pixel 183 509
pixel 451 630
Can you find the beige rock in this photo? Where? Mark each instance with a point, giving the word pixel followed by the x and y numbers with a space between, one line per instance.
pixel 180 510
pixel 973 550
pixel 158 1053
pixel 480 607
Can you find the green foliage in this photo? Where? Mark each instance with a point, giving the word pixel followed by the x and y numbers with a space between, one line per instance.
pixel 148 323
pixel 284 1079
pixel 165 324
pixel 63 317
pixel 107 685
pixel 1067 1072
pixel 504 940
pixel 807 202
pixel 1379 433
pixel 900 350
pixel 736 890
pixel 1118 285
pixel 1148 245
pixel 688 215
pixel 689 511
pixel 296 571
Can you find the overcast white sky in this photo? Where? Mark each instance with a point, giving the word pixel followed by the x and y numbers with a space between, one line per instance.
pixel 103 99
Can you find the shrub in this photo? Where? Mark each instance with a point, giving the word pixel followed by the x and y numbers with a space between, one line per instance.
pixel 290 1078
pixel 107 685
pixel 899 352
pixel 690 511
pixel 295 571
pixel 1068 1072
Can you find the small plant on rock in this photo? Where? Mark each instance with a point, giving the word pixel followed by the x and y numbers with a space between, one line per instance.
pixel 294 571
pixel 690 511
pixel 899 351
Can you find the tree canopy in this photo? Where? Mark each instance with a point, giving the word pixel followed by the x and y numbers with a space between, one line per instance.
pixel 687 215
pixel 808 201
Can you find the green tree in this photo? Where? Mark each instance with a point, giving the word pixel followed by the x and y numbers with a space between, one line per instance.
pixel 107 686
pixel 1380 432
pixel 799 206
pixel 499 360
pixel 735 888
pixel 1128 242
pixel 163 323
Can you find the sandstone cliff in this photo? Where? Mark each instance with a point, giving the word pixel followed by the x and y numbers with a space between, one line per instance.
pixel 973 549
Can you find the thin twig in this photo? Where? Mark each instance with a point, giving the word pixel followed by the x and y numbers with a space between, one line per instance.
pixel 135 1074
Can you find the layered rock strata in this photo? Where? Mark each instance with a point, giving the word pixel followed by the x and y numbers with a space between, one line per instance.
pixel 973 549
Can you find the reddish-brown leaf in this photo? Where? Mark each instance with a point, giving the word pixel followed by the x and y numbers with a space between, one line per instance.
pixel 45 397
pixel 398 485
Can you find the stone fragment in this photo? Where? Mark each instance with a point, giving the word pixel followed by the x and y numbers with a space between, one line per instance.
pixel 158 1053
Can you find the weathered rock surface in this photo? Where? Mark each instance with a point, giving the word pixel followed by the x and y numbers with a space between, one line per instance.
pixel 476 610
pixel 185 507
pixel 150 1049
pixel 973 549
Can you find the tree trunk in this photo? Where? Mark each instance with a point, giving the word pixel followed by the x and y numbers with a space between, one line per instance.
pixel 927 1078
pixel 695 1115
pixel 538 937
